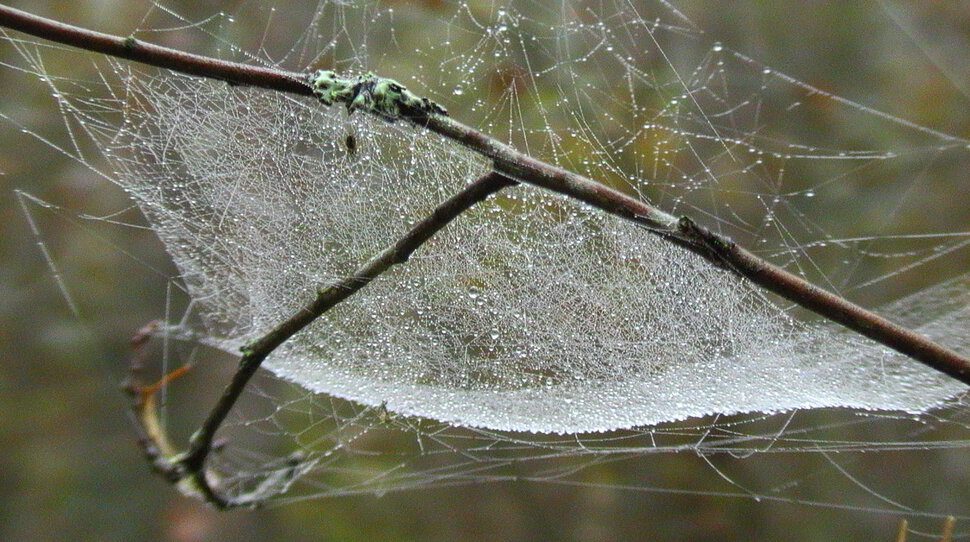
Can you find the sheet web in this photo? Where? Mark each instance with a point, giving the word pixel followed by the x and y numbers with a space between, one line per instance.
pixel 536 338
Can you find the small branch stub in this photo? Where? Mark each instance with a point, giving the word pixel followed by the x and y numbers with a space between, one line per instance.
pixel 716 248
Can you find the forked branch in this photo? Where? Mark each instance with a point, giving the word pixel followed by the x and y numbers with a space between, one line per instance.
pixel 188 469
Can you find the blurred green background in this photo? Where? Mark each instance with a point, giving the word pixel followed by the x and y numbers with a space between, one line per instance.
pixel 69 466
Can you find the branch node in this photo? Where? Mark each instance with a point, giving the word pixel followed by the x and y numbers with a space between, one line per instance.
pixel 716 248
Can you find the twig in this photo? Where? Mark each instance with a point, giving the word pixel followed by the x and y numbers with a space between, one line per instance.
pixel 948 529
pixel 902 530
pixel 188 469
pixel 152 440
pixel 682 231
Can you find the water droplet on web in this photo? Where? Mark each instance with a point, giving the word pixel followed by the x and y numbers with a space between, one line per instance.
pixel 568 291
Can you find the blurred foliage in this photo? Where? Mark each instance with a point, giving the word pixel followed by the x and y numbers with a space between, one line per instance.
pixel 70 469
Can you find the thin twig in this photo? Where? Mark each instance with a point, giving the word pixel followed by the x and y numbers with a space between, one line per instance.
pixel 948 529
pixel 152 440
pixel 188 468
pixel 902 530
pixel 682 231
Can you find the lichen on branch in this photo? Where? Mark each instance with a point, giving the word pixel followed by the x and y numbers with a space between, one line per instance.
pixel 368 92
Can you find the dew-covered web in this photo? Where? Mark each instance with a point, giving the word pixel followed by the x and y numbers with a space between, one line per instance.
pixel 535 337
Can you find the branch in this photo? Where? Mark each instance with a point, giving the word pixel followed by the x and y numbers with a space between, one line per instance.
pixel 683 231
pixel 188 469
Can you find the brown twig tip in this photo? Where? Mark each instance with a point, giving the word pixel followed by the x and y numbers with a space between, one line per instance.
pixel 144 334
pixel 132 385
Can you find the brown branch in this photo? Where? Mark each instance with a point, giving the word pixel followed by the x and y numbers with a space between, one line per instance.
pixel 152 440
pixel 190 466
pixel 684 231
pixel 155 55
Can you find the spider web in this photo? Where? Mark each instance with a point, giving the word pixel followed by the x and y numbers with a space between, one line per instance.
pixel 535 338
